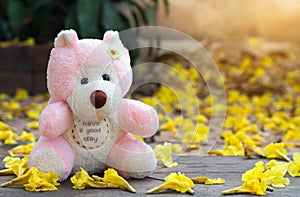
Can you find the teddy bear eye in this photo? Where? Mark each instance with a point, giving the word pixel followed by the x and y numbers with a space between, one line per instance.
pixel 105 77
pixel 84 81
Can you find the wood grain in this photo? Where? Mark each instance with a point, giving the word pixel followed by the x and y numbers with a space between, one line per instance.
pixel 229 168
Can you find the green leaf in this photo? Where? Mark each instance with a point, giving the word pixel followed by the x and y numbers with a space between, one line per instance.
pixel 150 12
pixel 70 20
pixel 140 11
pixel 129 39
pixel 112 18
pixel 16 12
pixel 40 12
pixel 5 31
pixel 87 17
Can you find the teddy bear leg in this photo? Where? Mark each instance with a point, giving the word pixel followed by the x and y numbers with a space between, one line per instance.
pixel 53 155
pixel 132 158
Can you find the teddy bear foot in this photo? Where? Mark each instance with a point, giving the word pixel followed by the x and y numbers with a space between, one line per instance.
pixel 138 158
pixel 47 158
pixel 140 165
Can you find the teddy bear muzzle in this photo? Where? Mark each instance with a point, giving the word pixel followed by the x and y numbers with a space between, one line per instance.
pixel 98 99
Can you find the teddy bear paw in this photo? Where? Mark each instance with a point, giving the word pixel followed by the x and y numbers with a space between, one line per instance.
pixel 46 160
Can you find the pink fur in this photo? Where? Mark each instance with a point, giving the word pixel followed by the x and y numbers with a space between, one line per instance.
pixel 66 38
pixel 137 118
pixel 125 148
pixel 55 119
pixel 124 73
pixel 59 146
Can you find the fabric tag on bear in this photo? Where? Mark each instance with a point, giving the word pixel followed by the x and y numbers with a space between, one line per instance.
pixel 88 134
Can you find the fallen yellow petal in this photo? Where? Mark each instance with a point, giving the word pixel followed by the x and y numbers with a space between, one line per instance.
pixel 294 166
pixel 4 126
pixel 21 95
pixel 238 190
pixel 25 136
pixel 82 179
pixel 178 182
pixel 172 185
pixel 276 151
pixel 163 154
pixel 111 176
pixel 21 149
pixel 21 179
pixel 33 125
pixel 15 166
pixel 208 181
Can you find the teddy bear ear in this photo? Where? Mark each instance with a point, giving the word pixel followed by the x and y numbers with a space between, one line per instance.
pixel 66 38
pixel 112 38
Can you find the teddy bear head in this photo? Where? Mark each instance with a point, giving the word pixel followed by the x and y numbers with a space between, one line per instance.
pixel 90 75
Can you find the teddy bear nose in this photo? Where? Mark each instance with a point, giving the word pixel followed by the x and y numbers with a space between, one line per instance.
pixel 98 99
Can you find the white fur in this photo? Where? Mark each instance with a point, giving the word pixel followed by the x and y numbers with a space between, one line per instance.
pixel 47 161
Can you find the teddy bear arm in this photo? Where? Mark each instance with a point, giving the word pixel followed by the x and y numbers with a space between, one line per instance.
pixel 55 119
pixel 137 118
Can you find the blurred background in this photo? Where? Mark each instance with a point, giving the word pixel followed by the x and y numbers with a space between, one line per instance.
pixel 272 19
pixel 28 27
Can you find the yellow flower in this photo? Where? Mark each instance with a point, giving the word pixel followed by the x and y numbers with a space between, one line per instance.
pixel 14 165
pixel 267 61
pixel 8 136
pixel 294 166
pixel 236 122
pixel 252 128
pixel 194 147
pixel 254 181
pixel 208 181
pixel 150 101
pixel 232 144
pixel 169 125
pixel 35 180
pixel 292 134
pixel 259 72
pixel 139 138
pixel 197 136
pixel 111 176
pixel 82 179
pixel 7 116
pixel 178 182
pixel 25 136
pixel 276 151
pixel 33 125
pixel 4 96
pixel 163 154
pixel 40 181
pixel 275 174
pixel 178 120
pixel 201 118
pixel 254 42
pixel 4 126
pixel 187 125
pixel 176 148
pixel 257 138
pixel 33 114
pixel 14 106
pixel 21 95
pixel 21 149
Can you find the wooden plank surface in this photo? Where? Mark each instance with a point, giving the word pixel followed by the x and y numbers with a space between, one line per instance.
pixel 229 168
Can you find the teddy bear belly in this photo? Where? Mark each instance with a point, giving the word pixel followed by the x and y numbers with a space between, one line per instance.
pixel 90 135
pixel 91 143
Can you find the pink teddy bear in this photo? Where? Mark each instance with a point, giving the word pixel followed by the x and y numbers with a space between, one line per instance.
pixel 87 122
